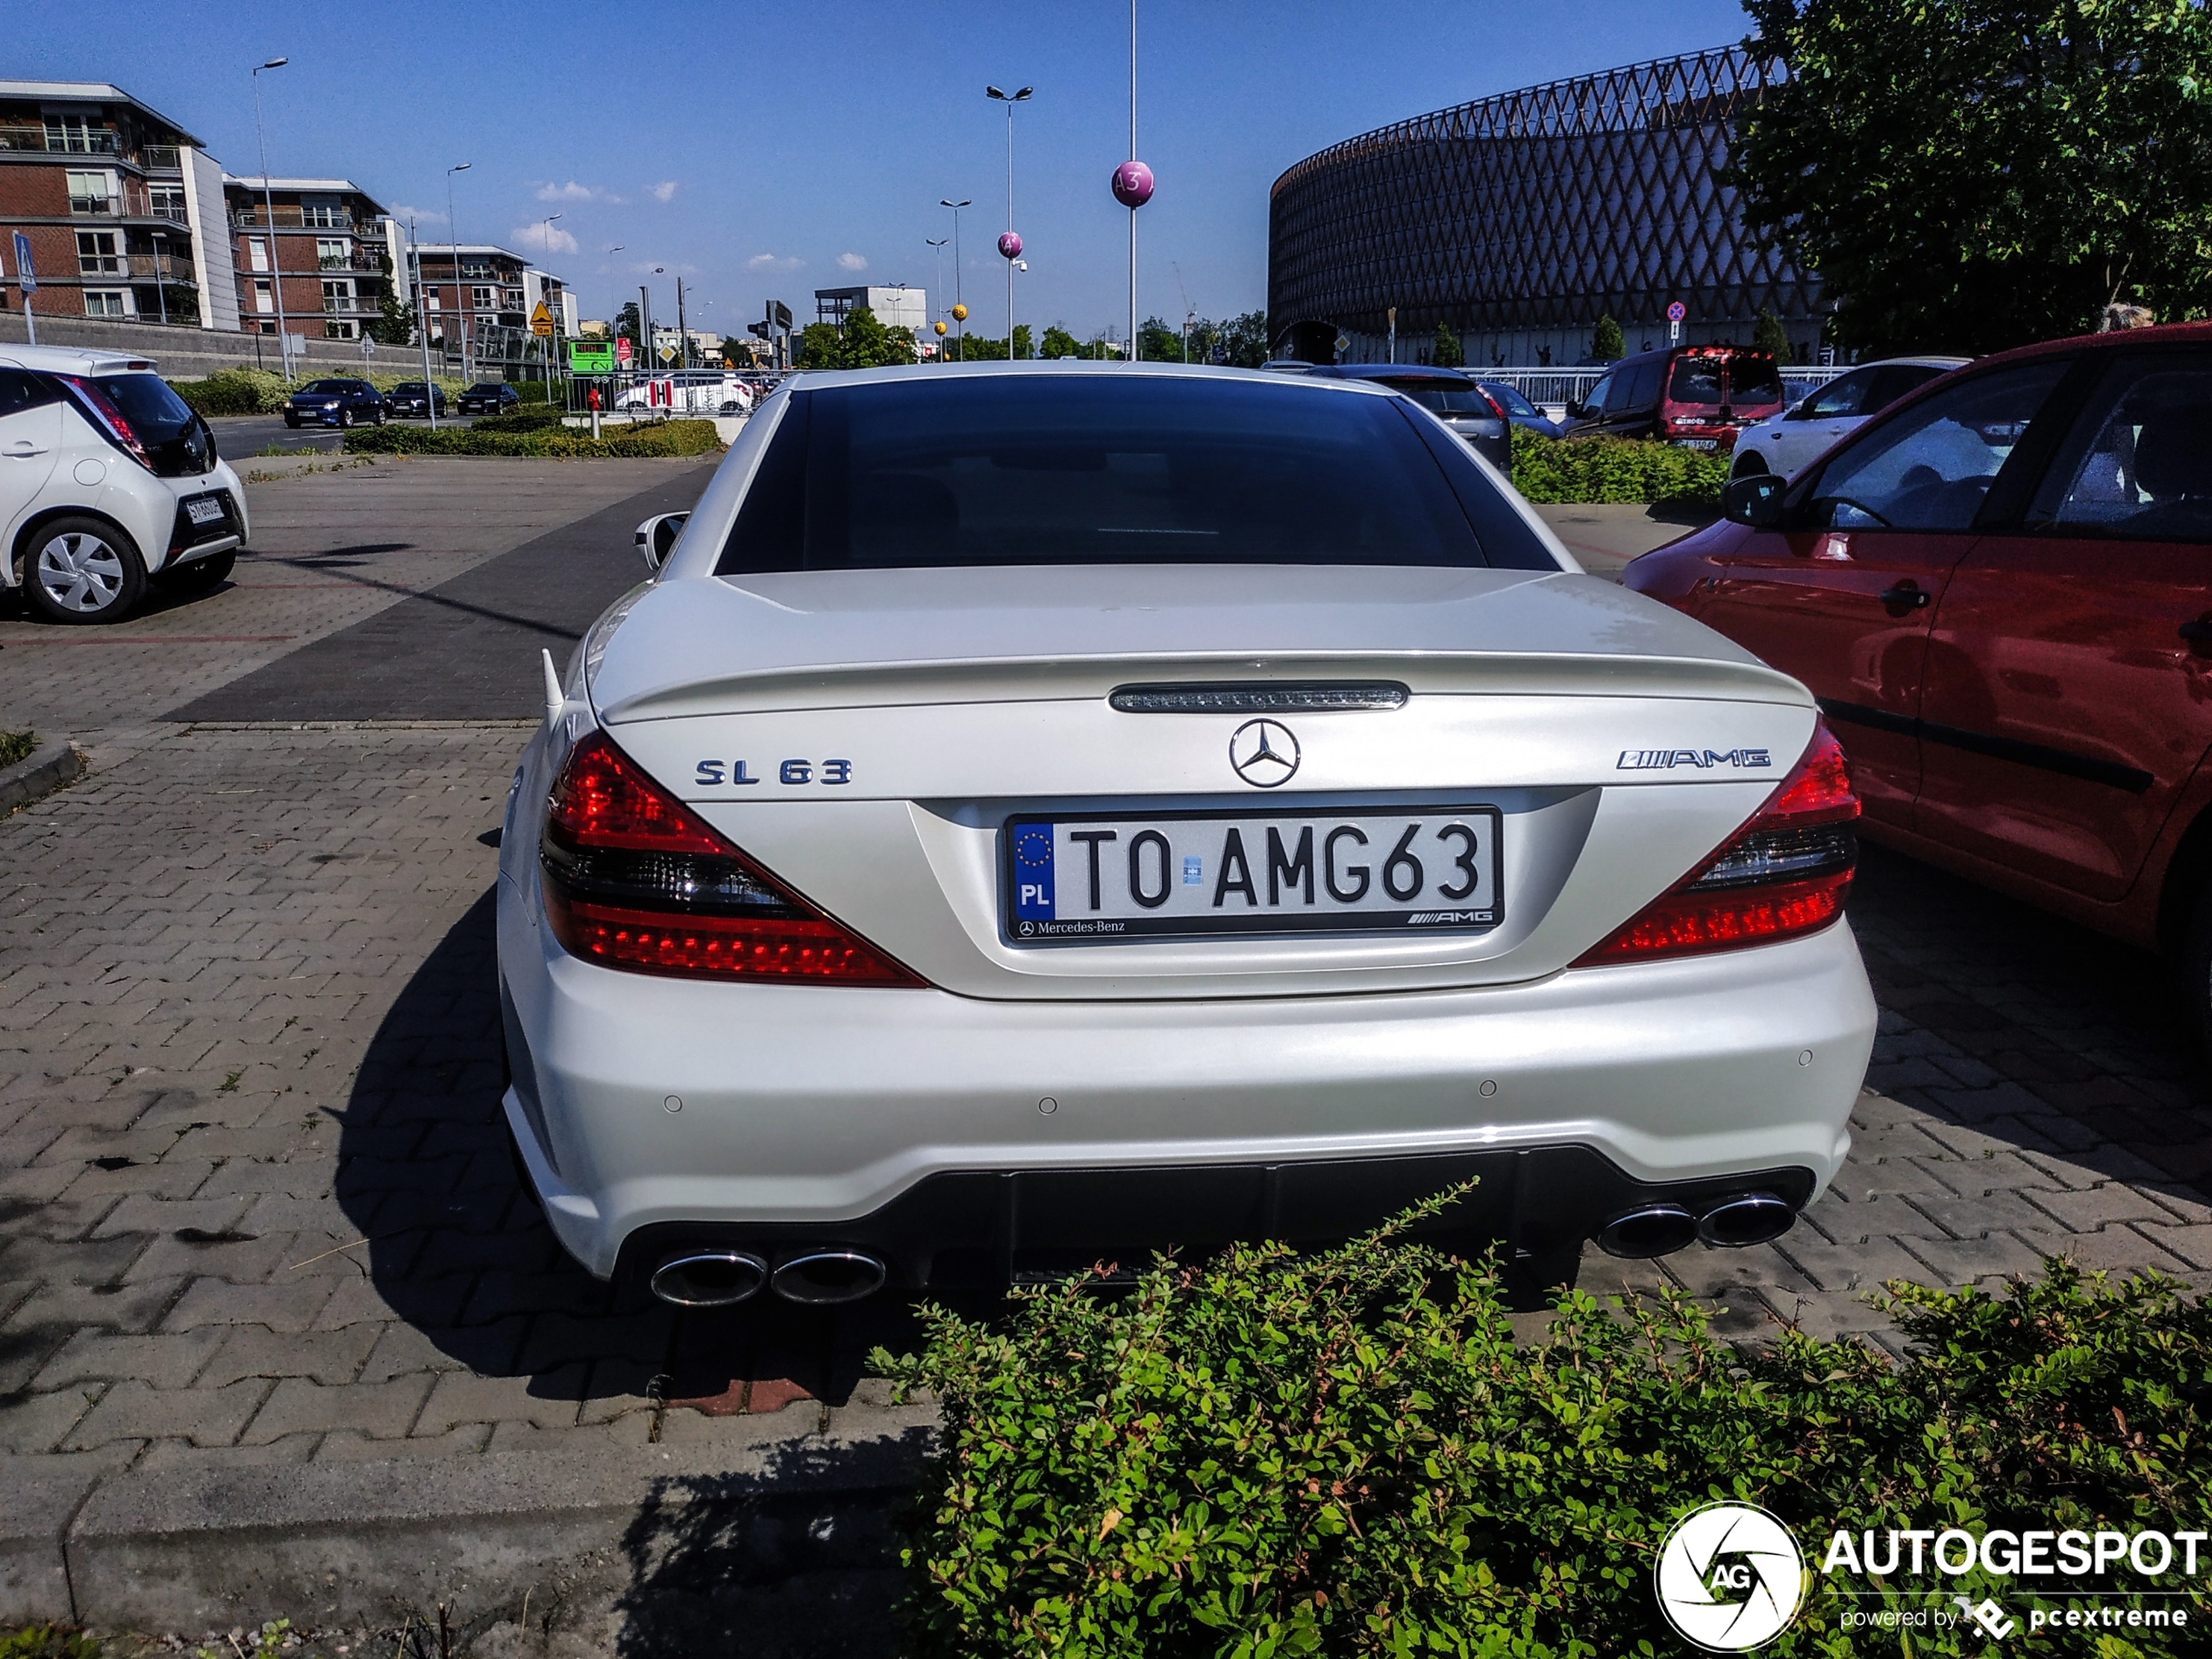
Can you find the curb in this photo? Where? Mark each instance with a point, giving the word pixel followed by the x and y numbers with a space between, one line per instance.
pixel 330 1543
pixel 56 762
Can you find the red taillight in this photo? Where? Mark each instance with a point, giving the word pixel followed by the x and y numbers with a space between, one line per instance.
pixel 1496 407
pixel 1784 872
pixel 110 420
pixel 635 880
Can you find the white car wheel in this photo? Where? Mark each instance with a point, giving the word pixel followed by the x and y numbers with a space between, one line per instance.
pixel 83 571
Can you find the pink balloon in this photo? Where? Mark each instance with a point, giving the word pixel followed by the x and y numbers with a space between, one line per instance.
pixel 1009 246
pixel 1132 183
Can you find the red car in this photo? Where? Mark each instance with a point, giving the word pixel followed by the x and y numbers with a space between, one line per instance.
pixel 1693 397
pixel 2000 591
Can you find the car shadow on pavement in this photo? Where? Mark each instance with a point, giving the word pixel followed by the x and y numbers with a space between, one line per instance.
pixel 459 1250
pixel 796 1562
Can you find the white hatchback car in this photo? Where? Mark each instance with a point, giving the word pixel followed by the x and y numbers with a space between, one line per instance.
pixel 1784 443
pixel 1040 811
pixel 108 484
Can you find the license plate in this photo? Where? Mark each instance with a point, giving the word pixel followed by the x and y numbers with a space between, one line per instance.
pixel 1698 443
pixel 1181 875
pixel 204 512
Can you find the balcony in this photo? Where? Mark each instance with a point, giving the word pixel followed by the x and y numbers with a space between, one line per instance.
pixel 102 141
pixel 356 261
pixel 291 218
pixel 168 271
pixel 160 158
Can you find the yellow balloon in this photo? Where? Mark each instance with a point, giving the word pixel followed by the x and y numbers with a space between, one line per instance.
pixel 960 314
pixel 939 327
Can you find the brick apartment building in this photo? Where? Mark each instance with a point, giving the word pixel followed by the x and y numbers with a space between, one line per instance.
pixel 478 300
pixel 322 253
pixel 122 208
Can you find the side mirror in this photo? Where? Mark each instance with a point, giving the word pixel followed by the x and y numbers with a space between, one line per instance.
pixel 656 538
pixel 1756 501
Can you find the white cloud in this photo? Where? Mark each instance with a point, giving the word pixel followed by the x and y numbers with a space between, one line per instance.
pixel 663 191
pixel 770 262
pixel 852 261
pixel 419 215
pixel 541 238
pixel 572 192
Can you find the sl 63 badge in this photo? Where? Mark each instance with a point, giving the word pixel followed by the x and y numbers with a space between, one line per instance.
pixel 711 773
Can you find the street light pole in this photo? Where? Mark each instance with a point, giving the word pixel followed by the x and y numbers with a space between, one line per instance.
pixel 453 224
pixel 422 322
pixel 547 252
pixel 682 334
pixel 160 288
pixel 1009 244
pixel 269 206
pixel 960 305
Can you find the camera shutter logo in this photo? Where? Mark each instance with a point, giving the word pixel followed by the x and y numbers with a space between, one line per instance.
pixel 1729 1577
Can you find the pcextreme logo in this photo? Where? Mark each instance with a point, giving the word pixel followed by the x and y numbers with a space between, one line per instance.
pixel 1729 1577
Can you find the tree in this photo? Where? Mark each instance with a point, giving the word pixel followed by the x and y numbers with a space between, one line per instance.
pixel 1768 335
pixel 1606 343
pixel 1244 341
pixel 863 343
pixel 1159 342
pixel 626 325
pixel 394 324
pixel 1446 353
pixel 1972 174
pixel 1058 343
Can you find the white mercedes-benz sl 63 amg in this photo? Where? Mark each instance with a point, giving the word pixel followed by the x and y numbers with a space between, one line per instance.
pixel 1039 814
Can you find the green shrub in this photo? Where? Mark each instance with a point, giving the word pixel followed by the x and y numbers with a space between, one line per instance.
pixel 247 390
pixel 17 746
pixel 539 418
pixel 1606 340
pixel 531 391
pixel 659 438
pixel 48 1642
pixel 1349 1453
pixel 1614 470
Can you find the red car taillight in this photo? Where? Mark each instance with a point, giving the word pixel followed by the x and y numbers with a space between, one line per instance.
pixel 110 421
pixel 635 880
pixel 1784 872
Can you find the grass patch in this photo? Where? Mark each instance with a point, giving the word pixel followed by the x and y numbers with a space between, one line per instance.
pixel 661 438
pixel 17 746
pixel 1575 470
pixel 48 1642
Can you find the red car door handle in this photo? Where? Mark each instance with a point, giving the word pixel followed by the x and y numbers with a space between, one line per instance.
pixel 1905 594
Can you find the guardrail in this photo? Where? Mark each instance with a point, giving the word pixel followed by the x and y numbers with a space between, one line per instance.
pixel 1556 388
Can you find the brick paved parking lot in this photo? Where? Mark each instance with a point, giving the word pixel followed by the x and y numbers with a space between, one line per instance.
pixel 257 1210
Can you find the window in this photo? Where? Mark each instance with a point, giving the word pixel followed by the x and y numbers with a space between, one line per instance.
pixel 332 329
pixel 1842 397
pixel 104 303
pixel 263 300
pixel 91 192
pixel 20 389
pixel 481 299
pixel 338 295
pixel 166 201
pixel 96 254
pixel 2138 464
pixel 323 215
pixel 77 136
pixel 1893 381
pixel 257 251
pixel 333 251
pixel 1511 400
pixel 513 299
pixel 1932 468
pixel 1093 470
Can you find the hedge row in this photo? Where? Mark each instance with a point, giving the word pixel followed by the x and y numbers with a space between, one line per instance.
pixel 661 438
pixel 1550 470
pixel 1351 1454
pixel 257 391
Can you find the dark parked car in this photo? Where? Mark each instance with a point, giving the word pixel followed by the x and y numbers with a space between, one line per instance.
pixel 1694 397
pixel 416 401
pixel 334 403
pixel 1520 411
pixel 1999 588
pixel 1453 398
pixel 490 397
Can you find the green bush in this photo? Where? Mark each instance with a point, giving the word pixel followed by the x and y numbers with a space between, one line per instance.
pixel 659 438
pixel 1550 470
pixel 1349 1453
pixel 247 390
pixel 17 746
pixel 531 391
pixel 48 1642
pixel 538 418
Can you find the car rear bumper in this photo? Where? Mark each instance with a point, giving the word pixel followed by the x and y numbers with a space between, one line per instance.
pixel 827 1113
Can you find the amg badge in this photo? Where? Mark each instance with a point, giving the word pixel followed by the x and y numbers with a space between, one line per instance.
pixel 1662 759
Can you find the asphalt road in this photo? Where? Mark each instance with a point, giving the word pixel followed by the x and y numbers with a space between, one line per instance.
pixel 239 435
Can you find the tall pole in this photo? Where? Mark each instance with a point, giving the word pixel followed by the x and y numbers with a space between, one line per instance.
pixel 269 206
pixel 1132 212
pixel 682 334
pixel 960 305
pixel 645 336
pixel 547 252
pixel 453 224
pixel 160 288
pixel 422 323
pixel 1009 228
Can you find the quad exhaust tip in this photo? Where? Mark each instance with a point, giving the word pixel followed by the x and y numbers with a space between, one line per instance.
pixel 822 1277
pixel 1662 1229
pixel 709 1279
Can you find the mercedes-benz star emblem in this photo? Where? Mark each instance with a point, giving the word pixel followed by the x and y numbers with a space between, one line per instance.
pixel 1264 753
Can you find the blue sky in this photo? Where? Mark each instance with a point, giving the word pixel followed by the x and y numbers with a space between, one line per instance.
pixel 770 151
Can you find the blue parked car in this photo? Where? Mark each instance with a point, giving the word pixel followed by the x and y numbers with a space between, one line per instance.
pixel 334 403
pixel 1520 411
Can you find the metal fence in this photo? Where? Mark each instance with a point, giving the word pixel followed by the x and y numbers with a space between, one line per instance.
pixel 1556 388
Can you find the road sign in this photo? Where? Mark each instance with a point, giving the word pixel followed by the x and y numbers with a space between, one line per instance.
pixel 779 316
pixel 592 356
pixel 668 353
pixel 541 321
pixel 1676 312
pixel 622 351
pixel 28 277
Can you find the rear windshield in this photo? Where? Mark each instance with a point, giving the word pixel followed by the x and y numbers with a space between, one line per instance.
pixel 329 386
pixel 1003 469
pixel 410 386
pixel 1511 400
pixel 154 410
pixel 486 386
pixel 1752 377
pixel 1444 399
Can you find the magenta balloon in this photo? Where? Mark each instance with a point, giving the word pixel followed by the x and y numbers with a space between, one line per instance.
pixel 1132 183
pixel 1009 246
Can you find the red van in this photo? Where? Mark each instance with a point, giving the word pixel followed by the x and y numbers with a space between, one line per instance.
pixel 1695 397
